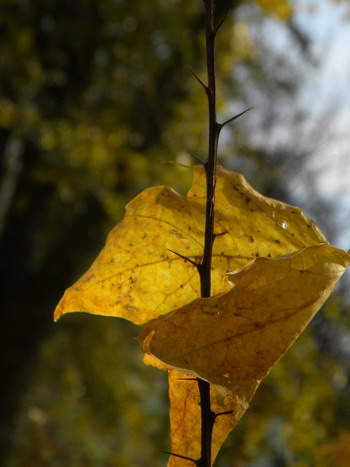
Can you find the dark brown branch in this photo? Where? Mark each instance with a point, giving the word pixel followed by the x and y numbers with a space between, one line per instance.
pixel 205 275
pixel 207 415
pixel 208 420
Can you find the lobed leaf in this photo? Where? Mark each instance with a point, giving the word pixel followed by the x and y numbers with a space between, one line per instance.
pixel 233 339
pixel 138 278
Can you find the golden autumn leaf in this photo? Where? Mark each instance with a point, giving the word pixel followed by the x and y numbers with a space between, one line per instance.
pixel 186 420
pixel 137 277
pixel 233 339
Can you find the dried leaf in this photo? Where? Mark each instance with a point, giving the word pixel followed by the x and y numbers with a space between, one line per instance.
pixel 234 338
pixel 186 420
pixel 136 276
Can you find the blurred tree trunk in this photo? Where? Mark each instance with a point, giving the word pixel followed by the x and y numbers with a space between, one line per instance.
pixel 32 279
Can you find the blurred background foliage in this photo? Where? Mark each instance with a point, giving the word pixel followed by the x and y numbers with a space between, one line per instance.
pixel 93 96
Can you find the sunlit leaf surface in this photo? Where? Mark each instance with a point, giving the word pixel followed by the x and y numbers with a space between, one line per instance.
pixel 137 277
pixel 186 422
pixel 233 339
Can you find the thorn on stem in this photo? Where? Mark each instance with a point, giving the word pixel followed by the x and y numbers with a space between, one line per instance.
pixel 199 159
pixel 220 234
pixel 196 462
pixel 229 412
pixel 184 257
pixel 221 125
pixel 218 27
pixel 205 87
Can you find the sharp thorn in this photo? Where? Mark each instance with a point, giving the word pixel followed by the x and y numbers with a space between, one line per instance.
pixel 220 234
pixel 181 457
pixel 218 27
pixel 184 257
pixel 235 117
pixel 229 412
pixel 199 159
pixel 199 80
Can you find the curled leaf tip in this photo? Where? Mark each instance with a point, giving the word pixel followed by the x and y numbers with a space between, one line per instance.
pixel 233 339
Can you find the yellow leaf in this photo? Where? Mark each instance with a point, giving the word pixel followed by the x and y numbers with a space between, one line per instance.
pixel 185 419
pixel 137 277
pixel 233 339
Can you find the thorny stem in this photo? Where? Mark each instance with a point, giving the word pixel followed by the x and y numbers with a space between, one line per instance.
pixel 210 166
pixel 208 417
pixel 204 269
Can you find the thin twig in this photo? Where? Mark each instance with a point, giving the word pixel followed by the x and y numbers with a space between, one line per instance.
pixel 204 269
